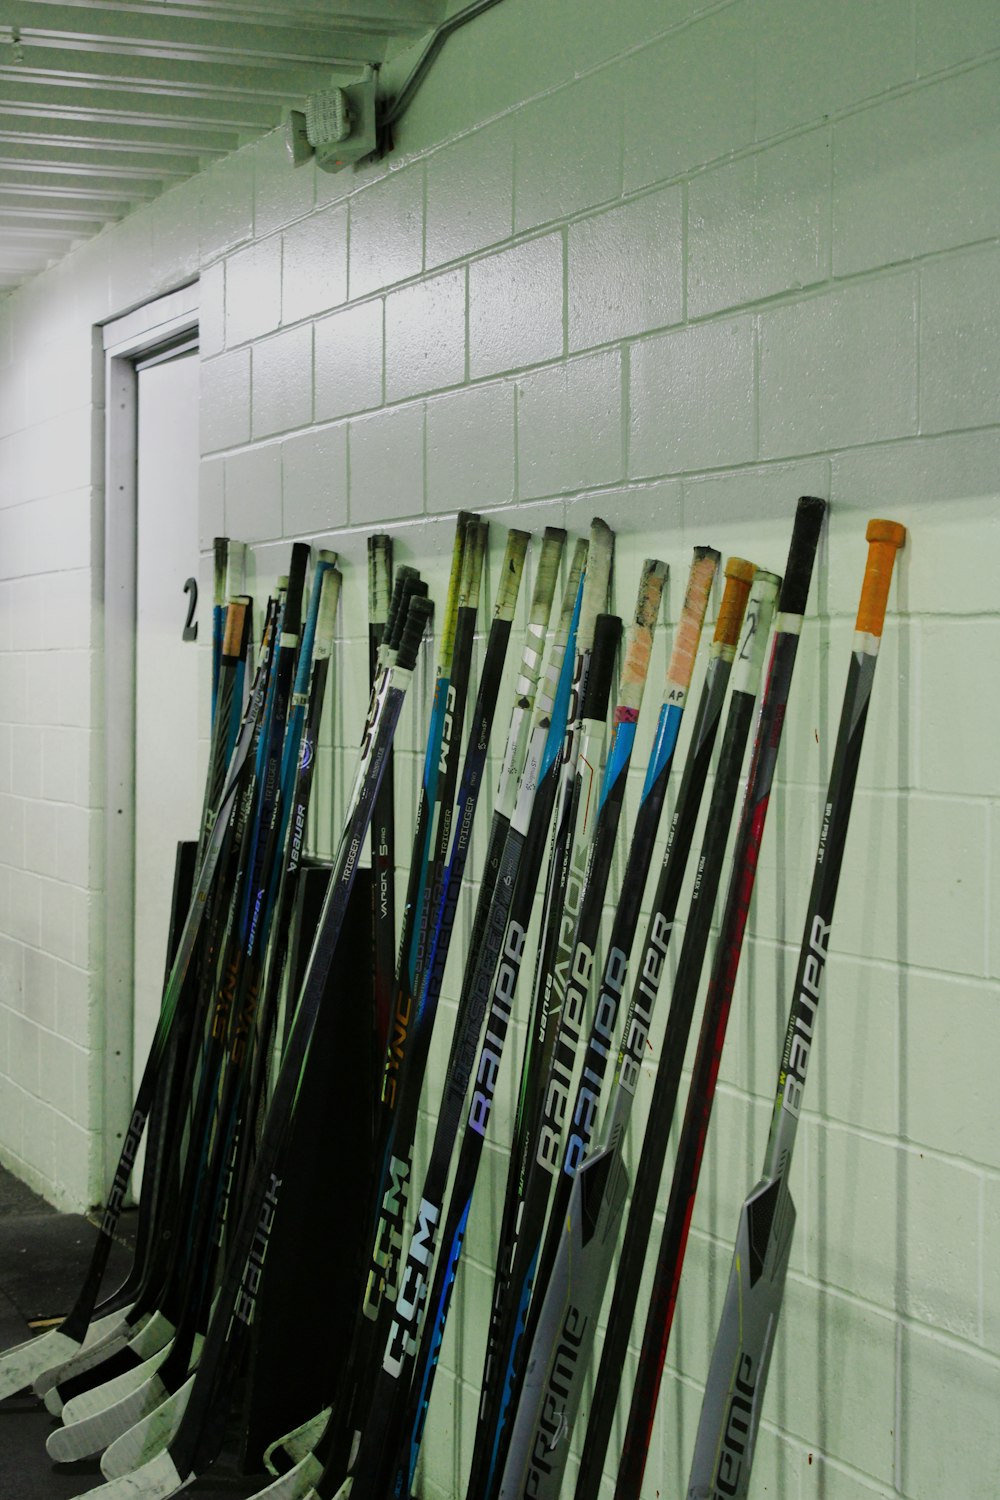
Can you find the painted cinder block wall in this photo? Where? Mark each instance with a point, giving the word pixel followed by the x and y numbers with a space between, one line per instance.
pixel 674 264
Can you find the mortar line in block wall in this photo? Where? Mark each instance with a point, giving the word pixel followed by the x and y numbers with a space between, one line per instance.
pixel 787 296
pixel 901 1322
pixel 981 1257
pixel 617 345
pixel 988 906
pixel 902 1144
pixel 752 148
pixel 980 983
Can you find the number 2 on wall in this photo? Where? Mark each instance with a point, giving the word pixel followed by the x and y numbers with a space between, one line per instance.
pixel 190 631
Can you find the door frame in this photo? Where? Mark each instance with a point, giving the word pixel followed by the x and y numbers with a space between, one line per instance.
pixel 162 328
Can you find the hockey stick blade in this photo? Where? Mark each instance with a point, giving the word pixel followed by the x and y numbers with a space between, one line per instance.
pixel 148 1437
pixel 298 1482
pixel 87 1358
pixel 90 1403
pixel 22 1366
pixel 746 1338
pixel 154 1481
pixel 95 1433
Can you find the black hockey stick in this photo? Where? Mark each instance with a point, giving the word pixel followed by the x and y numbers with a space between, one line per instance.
pixel 502 941
pixel 737 1376
pixel 791 607
pixel 589 1228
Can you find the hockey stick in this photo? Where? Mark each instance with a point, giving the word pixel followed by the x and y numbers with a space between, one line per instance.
pixel 200 1433
pixel 791 607
pixel 575 1289
pixel 370 1331
pixel 573 833
pixel 559 1051
pixel 383 831
pixel 633 677
pixel 501 943
pixel 21 1365
pixel 407 975
pixel 737 1375
pixel 510 1458
pixel 604 1182
pixel 112 1399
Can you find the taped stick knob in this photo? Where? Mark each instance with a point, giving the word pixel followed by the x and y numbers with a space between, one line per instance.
pixel 884 540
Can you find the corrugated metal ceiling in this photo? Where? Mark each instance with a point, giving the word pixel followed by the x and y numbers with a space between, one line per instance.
pixel 104 103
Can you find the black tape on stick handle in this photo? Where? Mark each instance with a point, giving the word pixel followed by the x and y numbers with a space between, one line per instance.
pixel 419 613
pixel 292 619
pixel 401 588
pixel 607 634
pixel 809 515
pixel 413 588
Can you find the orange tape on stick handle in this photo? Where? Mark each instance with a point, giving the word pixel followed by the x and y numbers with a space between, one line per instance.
pixel 884 540
pixel 739 577
pixel 232 639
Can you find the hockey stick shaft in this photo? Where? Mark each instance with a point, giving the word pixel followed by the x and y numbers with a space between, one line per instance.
pixel 383 830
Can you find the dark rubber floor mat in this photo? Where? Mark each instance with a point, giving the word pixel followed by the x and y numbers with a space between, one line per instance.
pixel 43 1260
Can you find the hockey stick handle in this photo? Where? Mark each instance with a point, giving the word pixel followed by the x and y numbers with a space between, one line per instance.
pixel 639 639
pixel 235 632
pixel 464 526
pixel 418 615
pixel 553 542
pixel 473 557
pixel 510 574
pixel 884 540
pixel 329 598
pixel 685 649
pixel 809 515
pixel 607 635
pixel 600 550
pixel 379 576
pixel 739 576
pixel 405 582
pixel 291 620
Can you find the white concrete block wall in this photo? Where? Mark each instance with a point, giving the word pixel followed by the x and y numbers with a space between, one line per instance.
pixel 675 264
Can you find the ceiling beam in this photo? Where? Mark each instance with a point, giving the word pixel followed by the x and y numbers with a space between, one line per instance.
pixel 209 80
pixel 76 220
pixel 98 28
pixel 71 187
pixel 116 161
pixel 385 17
pixel 43 130
pixel 113 103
